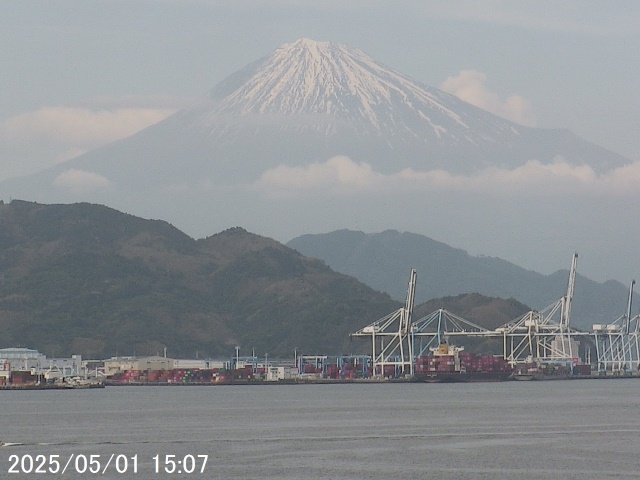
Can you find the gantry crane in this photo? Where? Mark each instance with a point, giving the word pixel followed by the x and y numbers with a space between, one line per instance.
pixel 617 345
pixel 544 336
pixel 391 344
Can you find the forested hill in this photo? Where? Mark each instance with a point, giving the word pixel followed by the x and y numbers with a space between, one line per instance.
pixel 382 261
pixel 88 279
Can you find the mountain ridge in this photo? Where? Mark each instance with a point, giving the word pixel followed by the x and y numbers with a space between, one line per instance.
pixel 206 170
pixel 381 260
pixel 87 279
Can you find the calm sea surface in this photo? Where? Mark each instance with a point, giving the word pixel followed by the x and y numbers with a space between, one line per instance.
pixel 586 430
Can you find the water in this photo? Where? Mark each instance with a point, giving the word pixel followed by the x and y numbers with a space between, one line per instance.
pixel 586 430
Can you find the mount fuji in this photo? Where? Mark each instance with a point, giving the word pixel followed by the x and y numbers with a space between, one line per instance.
pixel 342 101
pixel 300 106
pixel 309 101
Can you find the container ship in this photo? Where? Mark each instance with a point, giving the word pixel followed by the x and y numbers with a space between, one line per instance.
pixel 449 363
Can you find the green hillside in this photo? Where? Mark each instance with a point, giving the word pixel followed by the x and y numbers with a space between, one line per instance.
pixel 382 261
pixel 87 279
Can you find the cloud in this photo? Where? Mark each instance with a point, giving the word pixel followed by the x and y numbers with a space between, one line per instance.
pixel 469 85
pixel 339 174
pixel 625 179
pixel 81 181
pixel 342 176
pixel 533 177
pixel 51 135
pixel 79 127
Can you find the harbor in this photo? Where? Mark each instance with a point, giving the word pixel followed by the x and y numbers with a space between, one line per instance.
pixel 539 345
pixel 437 348
pixel 347 431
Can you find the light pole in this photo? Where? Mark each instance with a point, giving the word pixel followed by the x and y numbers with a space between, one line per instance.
pixel 254 360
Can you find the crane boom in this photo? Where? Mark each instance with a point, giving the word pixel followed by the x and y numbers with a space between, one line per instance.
pixel 408 305
pixel 566 311
pixel 628 318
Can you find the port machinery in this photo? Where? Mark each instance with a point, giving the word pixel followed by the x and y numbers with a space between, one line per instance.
pixel 396 340
pixel 545 336
pixel 617 344
pixel 536 338
pixel 391 344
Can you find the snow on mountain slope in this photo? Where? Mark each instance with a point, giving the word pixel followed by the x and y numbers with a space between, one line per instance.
pixel 284 117
pixel 307 77
pixel 305 103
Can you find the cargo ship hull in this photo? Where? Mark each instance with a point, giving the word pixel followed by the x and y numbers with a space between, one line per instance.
pixel 461 377
pixel 451 364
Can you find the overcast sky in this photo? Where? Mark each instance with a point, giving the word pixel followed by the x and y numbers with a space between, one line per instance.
pixel 77 74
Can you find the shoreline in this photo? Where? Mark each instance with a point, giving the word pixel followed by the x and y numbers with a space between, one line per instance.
pixel 317 381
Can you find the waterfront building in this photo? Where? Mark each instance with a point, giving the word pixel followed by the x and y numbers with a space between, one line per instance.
pixel 23 359
pixel 115 365
pixel 62 367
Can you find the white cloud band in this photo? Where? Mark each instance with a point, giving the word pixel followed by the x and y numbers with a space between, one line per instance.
pixel 469 85
pixel 80 127
pixel 80 181
pixel 341 175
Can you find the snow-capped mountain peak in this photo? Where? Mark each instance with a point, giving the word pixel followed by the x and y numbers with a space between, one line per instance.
pixel 313 77
pixel 319 98
pixel 281 121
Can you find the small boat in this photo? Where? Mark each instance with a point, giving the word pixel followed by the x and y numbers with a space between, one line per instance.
pixel 542 372
pixel 78 382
